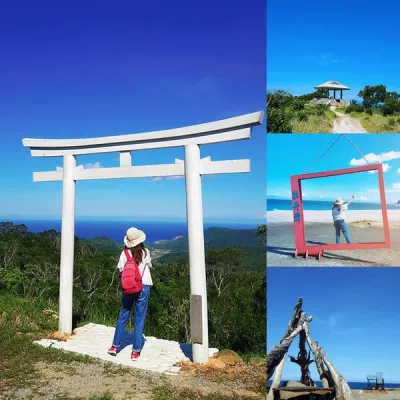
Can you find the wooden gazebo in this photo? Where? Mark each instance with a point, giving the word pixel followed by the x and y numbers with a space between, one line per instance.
pixel 333 85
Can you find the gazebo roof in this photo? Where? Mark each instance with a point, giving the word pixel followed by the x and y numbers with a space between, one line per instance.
pixel 332 85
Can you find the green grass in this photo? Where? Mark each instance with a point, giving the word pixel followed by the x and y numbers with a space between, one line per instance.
pixel 315 123
pixel 377 123
pixel 22 322
pixel 19 355
pixel 168 392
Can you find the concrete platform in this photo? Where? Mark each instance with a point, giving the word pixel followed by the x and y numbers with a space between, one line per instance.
pixel 94 340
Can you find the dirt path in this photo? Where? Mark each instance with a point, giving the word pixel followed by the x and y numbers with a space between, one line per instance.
pixel 346 124
pixel 103 380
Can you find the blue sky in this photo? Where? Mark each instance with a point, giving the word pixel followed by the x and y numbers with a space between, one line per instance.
pixel 101 68
pixel 291 154
pixel 354 314
pixel 315 41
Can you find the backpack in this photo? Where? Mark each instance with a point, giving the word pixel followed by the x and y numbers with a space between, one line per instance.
pixel 131 279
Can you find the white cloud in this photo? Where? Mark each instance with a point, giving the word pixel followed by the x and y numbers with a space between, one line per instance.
pixel 168 178
pixel 92 166
pixel 376 158
pixel 396 185
pixel 394 190
pixel 363 198
pixel 385 168
pixel 84 166
pixel 304 194
pixel 321 197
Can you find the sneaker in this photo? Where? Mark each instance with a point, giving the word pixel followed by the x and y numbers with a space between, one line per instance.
pixel 134 356
pixel 113 350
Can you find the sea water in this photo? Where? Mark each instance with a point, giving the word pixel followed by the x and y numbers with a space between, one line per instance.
pixel 116 229
pixel 354 385
pixel 281 204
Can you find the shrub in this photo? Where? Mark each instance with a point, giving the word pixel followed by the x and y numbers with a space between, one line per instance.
pixel 302 116
pixel 354 107
pixel 390 106
pixel 278 120
pixel 390 123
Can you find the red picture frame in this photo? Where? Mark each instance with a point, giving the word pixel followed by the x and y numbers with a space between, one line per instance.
pixel 301 247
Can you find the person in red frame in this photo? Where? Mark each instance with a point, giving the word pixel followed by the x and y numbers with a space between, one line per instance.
pixel 339 209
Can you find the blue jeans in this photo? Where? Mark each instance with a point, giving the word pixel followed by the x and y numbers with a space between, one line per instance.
pixel 340 225
pixel 142 302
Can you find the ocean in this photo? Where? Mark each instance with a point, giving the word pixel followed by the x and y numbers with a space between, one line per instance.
pixel 354 385
pixel 280 204
pixel 116 229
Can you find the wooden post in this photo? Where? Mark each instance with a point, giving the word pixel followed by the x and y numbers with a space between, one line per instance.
pixel 277 379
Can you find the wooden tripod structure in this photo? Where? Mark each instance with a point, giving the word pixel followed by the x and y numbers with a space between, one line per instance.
pixel 330 378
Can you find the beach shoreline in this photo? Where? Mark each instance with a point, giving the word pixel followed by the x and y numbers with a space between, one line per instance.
pixel 285 216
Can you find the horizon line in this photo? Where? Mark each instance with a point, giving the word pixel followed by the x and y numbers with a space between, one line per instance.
pixel 110 218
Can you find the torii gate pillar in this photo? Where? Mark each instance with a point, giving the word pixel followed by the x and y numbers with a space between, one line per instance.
pixel 198 286
pixel 67 245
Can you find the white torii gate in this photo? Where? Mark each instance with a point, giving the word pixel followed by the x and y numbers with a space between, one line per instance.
pixel 192 168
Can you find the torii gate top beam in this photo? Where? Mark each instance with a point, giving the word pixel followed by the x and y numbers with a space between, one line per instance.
pixel 230 129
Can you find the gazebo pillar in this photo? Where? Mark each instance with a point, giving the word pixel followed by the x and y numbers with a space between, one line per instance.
pixel 334 94
pixel 341 94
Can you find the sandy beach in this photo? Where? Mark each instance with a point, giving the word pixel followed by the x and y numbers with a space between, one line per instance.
pixel 278 216
pixel 280 242
pixel 391 394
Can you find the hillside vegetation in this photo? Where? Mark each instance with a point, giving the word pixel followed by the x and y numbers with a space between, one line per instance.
pixel 29 269
pixel 293 114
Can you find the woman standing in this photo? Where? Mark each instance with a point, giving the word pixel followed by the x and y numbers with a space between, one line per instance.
pixel 134 248
pixel 339 209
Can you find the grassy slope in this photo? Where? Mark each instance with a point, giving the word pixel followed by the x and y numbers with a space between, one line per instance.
pixel 376 123
pixel 22 321
pixel 315 124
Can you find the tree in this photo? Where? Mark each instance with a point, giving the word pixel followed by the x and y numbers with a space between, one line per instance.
pixel 261 232
pixel 390 106
pixel 222 263
pixel 373 95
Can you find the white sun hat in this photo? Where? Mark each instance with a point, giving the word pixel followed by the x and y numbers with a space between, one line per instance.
pixel 339 201
pixel 134 237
